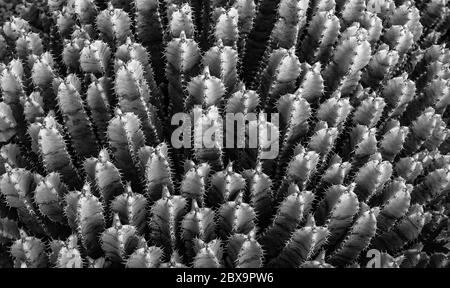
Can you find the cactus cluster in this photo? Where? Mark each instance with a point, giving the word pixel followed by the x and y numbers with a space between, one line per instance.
pixel 89 176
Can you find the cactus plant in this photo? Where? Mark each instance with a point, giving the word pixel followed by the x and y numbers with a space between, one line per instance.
pixel 90 175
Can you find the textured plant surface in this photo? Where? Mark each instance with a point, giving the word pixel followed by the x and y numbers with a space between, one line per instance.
pixel 89 177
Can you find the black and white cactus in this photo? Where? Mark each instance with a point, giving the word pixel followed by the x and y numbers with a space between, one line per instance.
pixel 89 176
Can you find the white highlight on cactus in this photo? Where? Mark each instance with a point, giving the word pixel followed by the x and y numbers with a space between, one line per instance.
pixel 241 130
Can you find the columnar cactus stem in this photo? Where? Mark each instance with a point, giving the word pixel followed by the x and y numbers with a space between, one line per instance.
pixel 114 25
pixel 353 158
pixel 147 257
pixel 166 215
pixel 94 57
pixel 323 31
pixel 149 32
pixel 289 215
pixel 76 120
pixel 126 138
pixel 183 56
pixel 49 196
pixel 396 206
pixel 197 224
pixel 53 149
pixel 406 230
pixel 225 186
pixel 134 94
pixel 193 183
pixel 222 63
pixel 119 241
pixel 291 21
pixel 205 90
pixel 68 255
pixel 158 173
pixel 351 55
pixel 89 220
pixel 130 207
pixel 301 246
pixel 279 77
pixel 358 239
pixel 17 186
pixel 244 251
pixel 29 251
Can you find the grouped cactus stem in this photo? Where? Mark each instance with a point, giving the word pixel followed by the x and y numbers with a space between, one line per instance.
pixel 289 214
pixel 246 14
pixel 145 257
pixel 358 239
pixel 120 241
pixel 94 57
pixel 53 149
pixel 76 120
pixel 158 173
pixel 166 215
pixel 197 224
pixel 244 251
pixel 299 171
pixel 126 138
pixel 67 253
pixel 85 214
pixel 208 136
pixel 295 112
pixel 235 217
pixel 222 62
pixel 114 25
pixel 406 230
pixel 396 205
pixel 183 57
pixel 49 196
pixel 29 252
pixel 290 24
pixel 134 94
pixel 279 77
pixel 302 245
pixel 352 54
pixel 261 198
pixel 194 182
pixel 353 157
pixel 224 186
pixel 148 31
pixel 323 31
pixel 106 176
pixel 130 207
pixel 208 255
pixel 205 90
pixel 16 186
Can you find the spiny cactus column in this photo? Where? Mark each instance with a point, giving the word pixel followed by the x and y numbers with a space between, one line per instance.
pixel 354 95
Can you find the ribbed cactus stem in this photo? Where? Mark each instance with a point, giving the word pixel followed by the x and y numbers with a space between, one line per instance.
pixel 53 149
pixel 313 134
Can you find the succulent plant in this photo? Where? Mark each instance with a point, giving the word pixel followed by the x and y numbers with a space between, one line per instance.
pixel 90 175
